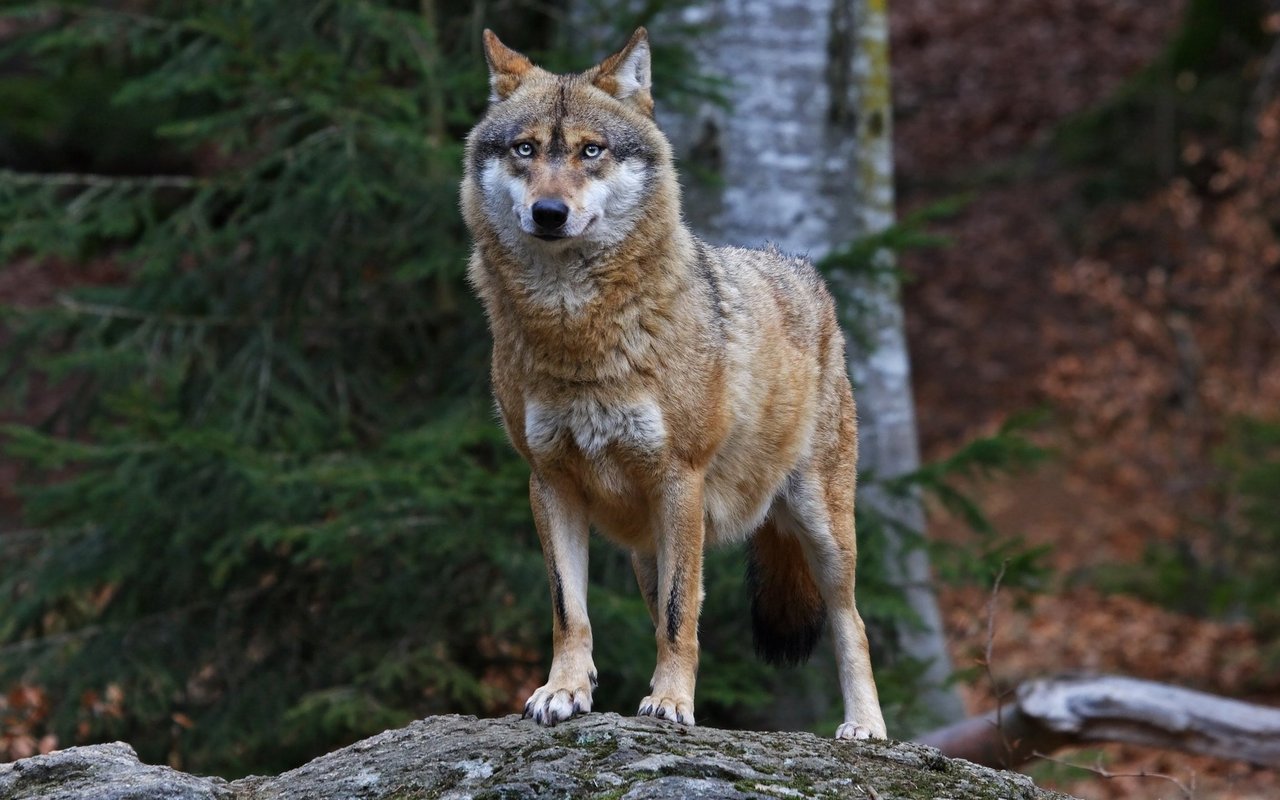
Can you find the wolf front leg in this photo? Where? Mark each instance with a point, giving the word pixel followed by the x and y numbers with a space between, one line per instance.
pixel 560 516
pixel 679 542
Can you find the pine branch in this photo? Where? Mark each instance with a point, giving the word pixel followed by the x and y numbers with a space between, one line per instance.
pixel 102 181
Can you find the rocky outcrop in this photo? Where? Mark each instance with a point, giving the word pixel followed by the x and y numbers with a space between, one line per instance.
pixel 103 772
pixel 600 755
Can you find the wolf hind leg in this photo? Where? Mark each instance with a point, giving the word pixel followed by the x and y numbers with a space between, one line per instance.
pixel 819 510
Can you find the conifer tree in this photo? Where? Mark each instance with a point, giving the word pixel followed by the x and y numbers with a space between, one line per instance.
pixel 283 510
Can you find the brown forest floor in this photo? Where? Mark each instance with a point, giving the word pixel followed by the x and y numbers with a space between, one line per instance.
pixel 1139 325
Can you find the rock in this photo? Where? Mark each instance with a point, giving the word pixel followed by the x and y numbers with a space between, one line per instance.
pixel 599 755
pixel 102 772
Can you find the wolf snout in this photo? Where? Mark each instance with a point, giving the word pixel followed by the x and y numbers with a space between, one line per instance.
pixel 550 215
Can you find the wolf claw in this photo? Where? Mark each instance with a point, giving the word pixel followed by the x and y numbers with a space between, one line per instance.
pixel 550 706
pixel 667 708
pixel 852 730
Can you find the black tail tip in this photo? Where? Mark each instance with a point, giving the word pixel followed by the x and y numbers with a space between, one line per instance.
pixel 785 645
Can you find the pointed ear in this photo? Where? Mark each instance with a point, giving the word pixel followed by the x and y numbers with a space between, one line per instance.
pixel 626 74
pixel 507 68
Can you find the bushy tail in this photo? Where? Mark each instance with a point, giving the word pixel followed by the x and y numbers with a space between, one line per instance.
pixel 787 612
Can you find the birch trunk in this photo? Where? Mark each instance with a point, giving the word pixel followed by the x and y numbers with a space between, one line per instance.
pixel 803 155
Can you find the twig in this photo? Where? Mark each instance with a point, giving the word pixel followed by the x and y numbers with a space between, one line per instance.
pixel 121 312
pixel 987 658
pixel 1101 772
pixel 136 18
pixel 94 181
pixel 104 311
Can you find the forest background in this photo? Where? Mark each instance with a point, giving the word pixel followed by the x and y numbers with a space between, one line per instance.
pixel 254 504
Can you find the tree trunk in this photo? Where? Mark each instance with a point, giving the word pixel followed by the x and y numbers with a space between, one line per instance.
pixel 803 158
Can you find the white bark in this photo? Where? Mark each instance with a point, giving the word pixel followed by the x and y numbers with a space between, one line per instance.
pixel 804 159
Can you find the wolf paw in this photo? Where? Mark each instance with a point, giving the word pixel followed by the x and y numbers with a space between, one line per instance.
pixel 852 730
pixel 550 704
pixel 671 708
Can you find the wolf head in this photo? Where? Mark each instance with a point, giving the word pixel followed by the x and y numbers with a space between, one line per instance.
pixel 564 161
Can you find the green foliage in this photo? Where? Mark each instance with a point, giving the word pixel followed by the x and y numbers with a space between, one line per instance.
pixel 273 511
pixel 870 259
pixel 283 497
pixel 947 483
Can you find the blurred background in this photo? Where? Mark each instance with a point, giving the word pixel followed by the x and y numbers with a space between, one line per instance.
pixel 254 503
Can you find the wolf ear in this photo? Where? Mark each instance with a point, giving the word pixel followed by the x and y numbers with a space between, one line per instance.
pixel 627 75
pixel 507 68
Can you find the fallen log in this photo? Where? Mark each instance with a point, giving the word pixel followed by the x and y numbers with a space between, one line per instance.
pixel 1052 713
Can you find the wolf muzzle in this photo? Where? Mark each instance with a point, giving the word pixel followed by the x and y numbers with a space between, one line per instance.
pixel 550 217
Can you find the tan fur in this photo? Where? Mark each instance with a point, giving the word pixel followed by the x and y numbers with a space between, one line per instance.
pixel 670 394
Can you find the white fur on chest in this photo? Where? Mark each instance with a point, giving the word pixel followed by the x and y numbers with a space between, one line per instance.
pixel 592 426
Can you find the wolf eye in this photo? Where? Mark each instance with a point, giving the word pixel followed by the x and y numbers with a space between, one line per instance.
pixel 523 149
pixel 592 151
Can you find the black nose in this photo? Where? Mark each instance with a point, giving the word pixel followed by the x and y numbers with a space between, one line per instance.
pixel 550 214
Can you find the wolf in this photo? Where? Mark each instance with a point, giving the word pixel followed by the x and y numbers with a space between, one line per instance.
pixel 670 394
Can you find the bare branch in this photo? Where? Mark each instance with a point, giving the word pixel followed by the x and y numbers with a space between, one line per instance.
pixel 987 660
pixel 1098 770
